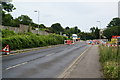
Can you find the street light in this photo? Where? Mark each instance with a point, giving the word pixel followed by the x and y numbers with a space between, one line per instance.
pixel 100 29
pixel 38 18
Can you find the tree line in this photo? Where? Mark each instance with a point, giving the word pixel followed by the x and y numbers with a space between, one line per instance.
pixel 113 27
pixel 8 20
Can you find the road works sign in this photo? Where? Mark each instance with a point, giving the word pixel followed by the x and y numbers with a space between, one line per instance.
pixel 6 49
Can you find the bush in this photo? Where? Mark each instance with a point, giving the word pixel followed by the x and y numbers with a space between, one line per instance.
pixel 30 40
pixel 7 33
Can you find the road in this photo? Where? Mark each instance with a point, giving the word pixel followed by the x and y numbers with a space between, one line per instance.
pixel 44 63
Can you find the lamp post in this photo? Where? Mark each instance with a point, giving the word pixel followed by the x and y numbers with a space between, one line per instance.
pixel 100 29
pixel 38 18
pixel 0 14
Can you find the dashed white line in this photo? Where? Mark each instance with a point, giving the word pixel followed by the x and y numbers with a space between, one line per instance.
pixel 16 65
pixel 24 63
pixel 50 54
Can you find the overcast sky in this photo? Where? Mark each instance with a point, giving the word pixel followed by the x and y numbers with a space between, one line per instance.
pixel 80 13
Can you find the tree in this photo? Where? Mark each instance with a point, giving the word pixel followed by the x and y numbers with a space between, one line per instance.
pixel 67 28
pixel 57 28
pixel 69 31
pixel 85 36
pixel 15 22
pixel 6 19
pixel 114 22
pixel 7 6
pixel 77 30
pixel 24 19
pixel 111 31
pixel 42 26
pixel 92 29
pixel 95 32
pixel 113 28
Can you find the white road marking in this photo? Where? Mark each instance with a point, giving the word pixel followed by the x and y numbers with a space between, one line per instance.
pixel 23 63
pixel 66 72
pixel 50 54
pixel 16 65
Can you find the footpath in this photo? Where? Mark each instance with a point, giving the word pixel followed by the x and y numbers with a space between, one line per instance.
pixel 88 66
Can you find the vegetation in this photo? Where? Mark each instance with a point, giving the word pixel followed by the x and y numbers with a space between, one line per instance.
pixel 56 28
pixel 95 32
pixel 114 22
pixel 7 33
pixel 113 28
pixel 8 20
pixel 29 40
pixel 110 58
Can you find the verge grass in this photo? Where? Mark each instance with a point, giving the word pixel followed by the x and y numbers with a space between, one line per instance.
pixel 110 60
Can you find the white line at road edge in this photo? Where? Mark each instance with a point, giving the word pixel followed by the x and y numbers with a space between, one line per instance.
pixel 16 65
pixel 71 65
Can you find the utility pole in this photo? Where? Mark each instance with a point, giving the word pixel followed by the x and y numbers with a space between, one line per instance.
pixel 38 18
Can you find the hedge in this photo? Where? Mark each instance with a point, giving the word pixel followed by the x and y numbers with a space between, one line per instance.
pixel 31 40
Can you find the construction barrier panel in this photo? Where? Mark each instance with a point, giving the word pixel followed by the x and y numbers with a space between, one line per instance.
pixel 68 42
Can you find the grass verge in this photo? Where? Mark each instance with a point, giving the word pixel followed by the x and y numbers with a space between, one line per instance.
pixel 110 60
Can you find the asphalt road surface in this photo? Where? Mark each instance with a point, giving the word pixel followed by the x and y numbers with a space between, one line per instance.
pixel 44 63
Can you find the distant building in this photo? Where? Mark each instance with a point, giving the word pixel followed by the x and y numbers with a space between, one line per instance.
pixel 119 9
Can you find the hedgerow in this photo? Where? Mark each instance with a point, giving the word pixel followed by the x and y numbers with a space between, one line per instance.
pixel 7 33
pixel 29 40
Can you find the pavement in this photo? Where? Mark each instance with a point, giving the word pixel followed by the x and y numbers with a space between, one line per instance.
pixel 88 66
pixel 42 63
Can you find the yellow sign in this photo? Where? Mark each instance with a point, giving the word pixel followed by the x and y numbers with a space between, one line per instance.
pixel 114 41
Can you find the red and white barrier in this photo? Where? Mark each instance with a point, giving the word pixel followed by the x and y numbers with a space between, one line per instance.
pixel 68 42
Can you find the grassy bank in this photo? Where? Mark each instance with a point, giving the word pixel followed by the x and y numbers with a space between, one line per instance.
pixel 110 60
pixel 29 40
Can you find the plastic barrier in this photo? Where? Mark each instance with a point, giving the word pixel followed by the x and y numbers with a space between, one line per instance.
pixel 68 42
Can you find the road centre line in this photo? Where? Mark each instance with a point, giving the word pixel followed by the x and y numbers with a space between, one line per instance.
pixel 50 54
pixel 16 65
pixel 23 63
pixel 27 62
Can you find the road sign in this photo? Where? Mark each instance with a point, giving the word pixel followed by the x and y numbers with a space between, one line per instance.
pixel 6 49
